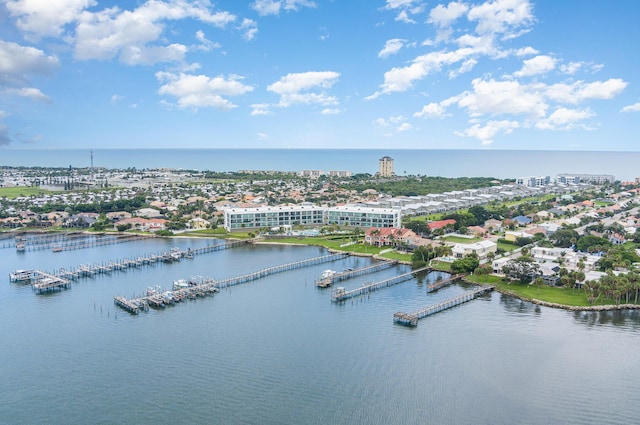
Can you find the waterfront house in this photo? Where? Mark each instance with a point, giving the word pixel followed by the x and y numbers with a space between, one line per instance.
pixel 482 249
pixel 390 236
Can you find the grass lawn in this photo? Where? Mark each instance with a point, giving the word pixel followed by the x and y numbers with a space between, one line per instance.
pixel 508 247
pixel 441 265
pixel 457 239
pixel 331 244
pixel 564 296
pixel 14 192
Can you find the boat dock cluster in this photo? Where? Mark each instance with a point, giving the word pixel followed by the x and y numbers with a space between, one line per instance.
pixel 62 277
pixel 192 289
pixel 157 298
pixel 68 241
pixel 40 281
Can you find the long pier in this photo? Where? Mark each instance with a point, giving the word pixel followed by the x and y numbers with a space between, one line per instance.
pixel 340 294
pixel 156 298
pixel 348 274
pixel 411 319
pixel 278 269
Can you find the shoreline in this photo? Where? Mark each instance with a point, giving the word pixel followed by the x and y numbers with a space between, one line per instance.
pixel 593 308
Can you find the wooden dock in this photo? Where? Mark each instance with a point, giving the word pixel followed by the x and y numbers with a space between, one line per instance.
pixel 63 276
pixel 438 284
pixel 69 241
pixel 348 274
pixel 278 269
pixel 340 294
pixel 44 282
pixel 156 298
pixel 411 319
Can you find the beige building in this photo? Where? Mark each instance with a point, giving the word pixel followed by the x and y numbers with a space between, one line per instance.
pixel 386 167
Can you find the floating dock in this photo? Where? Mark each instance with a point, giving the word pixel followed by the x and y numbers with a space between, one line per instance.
pixel 340 294
pixel 411 319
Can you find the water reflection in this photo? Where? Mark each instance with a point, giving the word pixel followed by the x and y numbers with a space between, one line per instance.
pixel 629 319
pixel 516 305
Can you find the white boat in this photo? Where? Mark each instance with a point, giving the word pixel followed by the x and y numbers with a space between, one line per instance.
pixel 327 274
pixel 180 284
pixel 20 276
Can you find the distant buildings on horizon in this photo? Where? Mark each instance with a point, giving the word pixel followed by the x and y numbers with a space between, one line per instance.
pixel 536 181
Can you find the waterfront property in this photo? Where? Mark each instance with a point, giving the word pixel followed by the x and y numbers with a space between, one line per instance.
pixel 310 215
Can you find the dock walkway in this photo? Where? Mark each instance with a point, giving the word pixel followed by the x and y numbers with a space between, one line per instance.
pixel 438 284
pixel 90 270
pixel 411 319
pixel 340 294
pixel 210 286
pixel 348 274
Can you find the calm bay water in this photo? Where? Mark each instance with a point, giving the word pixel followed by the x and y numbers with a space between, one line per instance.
pixel 277 351
pixel 446 163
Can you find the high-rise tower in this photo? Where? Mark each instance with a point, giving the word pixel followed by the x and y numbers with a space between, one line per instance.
pixel 386 167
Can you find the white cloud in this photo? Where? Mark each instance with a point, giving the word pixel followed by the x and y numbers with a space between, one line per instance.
pixel 571 68
pixel 198 91
pixel 489 131
pixel 116 98
pixel 127 34
pixel 30 93
pixel 205 44
pixel 17 61
pixel 330 111
pixel 580 91
pixel 526 51
pixel 250 29
pixel 46 18
pixel 260 109
pixel 502 17
pixel 263 136
pixel 273 7
pixel 432 110
pixel 401 79
pixel 443 16
pixel 490 97
pixel 631 108
pixel 391 47
pixel 564 119
pixel 405 9
pixel 538 65
pixel 294 88
pixel 404 127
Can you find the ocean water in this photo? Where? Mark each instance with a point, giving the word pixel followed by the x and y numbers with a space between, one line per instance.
pixel 446 163
pixel 278 351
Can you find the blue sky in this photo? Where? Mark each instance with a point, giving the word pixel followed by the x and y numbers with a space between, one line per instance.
pixel 501 74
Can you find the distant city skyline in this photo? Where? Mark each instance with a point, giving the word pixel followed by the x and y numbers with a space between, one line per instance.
pixel 399 74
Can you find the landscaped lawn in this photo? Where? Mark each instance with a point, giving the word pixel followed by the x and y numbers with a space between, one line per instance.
pixel 552 294
pixel 14 192
pixel 458 239
pixel 508 247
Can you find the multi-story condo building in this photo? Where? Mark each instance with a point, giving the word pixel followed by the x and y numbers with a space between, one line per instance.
pixel 386 167
pixel 585 178
pixel 534 181
pixel 310 215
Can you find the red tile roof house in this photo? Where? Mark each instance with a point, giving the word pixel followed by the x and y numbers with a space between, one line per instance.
pixel 388 236
pixel 441 223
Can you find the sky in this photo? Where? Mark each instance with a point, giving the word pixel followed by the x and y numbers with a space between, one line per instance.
pixel 401 74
